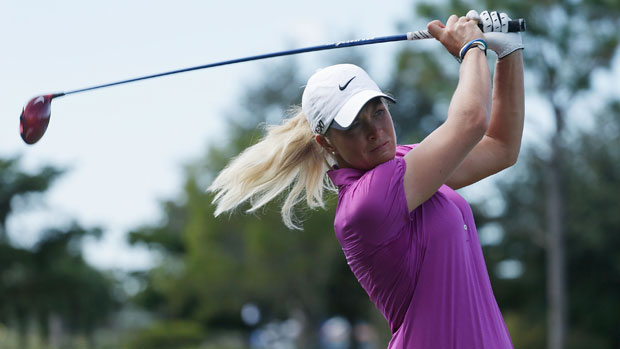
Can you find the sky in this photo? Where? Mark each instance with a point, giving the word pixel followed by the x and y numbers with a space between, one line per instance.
pixel 124 147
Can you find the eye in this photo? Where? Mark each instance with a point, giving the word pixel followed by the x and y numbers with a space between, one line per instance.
pixel 380 112
pixel 353 128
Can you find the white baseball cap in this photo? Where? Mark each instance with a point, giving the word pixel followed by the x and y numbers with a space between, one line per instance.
pixel 335 95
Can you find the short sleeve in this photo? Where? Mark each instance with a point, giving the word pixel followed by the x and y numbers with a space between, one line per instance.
pixel 373 209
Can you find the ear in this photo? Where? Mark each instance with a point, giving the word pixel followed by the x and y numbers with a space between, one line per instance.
pixel 324 142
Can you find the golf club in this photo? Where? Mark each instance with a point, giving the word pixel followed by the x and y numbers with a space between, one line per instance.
pixel 35 116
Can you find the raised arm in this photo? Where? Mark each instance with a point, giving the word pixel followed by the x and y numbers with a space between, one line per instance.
pixel 499 148
pixel 433 161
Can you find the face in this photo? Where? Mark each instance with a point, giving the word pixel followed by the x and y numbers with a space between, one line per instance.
pixel 369 141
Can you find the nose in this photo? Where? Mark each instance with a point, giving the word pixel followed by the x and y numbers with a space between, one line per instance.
pixel 372 130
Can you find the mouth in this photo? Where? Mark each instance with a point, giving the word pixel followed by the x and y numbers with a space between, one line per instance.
pixel 379 147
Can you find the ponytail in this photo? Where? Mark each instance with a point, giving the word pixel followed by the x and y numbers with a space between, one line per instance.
pixel 287 157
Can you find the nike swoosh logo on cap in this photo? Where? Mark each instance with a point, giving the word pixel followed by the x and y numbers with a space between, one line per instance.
pixel 345 85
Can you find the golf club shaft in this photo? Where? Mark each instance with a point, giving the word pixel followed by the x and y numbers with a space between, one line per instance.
pixel 418 35
pixel 514 25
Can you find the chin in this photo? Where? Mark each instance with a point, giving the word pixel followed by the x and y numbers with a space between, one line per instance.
pixel 388 157
pixel 385 156
pixel 390 152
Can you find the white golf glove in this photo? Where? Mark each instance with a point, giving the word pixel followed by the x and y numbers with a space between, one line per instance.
pixel 495 31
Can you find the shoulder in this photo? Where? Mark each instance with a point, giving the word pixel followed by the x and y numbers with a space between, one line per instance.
pixel 375 196
pixel 374 183
pixel 375 202
pixel 402 150
pixel 378 185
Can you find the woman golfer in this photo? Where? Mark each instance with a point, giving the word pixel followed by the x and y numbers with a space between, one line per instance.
pixel 408 237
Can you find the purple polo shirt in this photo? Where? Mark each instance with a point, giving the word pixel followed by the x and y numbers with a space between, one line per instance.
pixel 424 269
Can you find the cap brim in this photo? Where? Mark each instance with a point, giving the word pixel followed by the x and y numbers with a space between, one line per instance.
pixel 353 106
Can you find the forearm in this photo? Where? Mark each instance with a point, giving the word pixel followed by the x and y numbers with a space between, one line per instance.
pixel 507 111
pixel 471 102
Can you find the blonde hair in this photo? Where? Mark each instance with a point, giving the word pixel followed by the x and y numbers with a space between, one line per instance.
pixel 287 157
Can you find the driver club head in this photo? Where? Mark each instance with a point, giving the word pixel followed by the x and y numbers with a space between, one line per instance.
pixel 34 118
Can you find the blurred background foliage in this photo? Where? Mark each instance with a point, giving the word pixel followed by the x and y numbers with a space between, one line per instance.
pixel 549 225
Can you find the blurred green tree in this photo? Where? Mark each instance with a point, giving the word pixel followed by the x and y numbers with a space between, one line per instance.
pixel 211 267
pixel 592 177
pixel 566 42
pixel 49 284
pixel 16 185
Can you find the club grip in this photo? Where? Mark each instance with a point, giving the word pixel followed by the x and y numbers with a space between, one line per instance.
pixel 514 25
pixel 517 25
